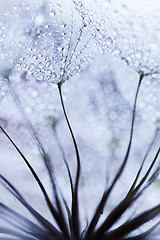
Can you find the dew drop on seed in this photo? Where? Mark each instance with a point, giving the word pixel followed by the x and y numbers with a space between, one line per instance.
pixel 54 75
pixel 59 5
pixel 63 60
pixel 52 13
pixel 109 41
pixel 31 68
pixel 19 64
pixel 39 77
pixel 47 26
pixel 41 65
pixel 48 64
pixel 63 25
pixel 48 72
pixel 35 57
pixel 37 71
pixel 60 49
pixel 48 77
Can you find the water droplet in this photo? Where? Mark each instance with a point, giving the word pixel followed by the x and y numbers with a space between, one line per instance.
pixel 47 26
pixel 52 13
pixel 63 60
pixel 53 78
pixel 84 25
pixel 49 72
pixel 63 25
pixel 19 64
pixel 40 77
pixel 38 30
pixel 35 57
pixel 60 48
pixel 37 71
pixel 48 63
pixel 31 68
pixel 30 49
pixel 59 5
pixel 24 66
pixel 54 75
pixel 48 77
pixel 41 65
pixel 63 34
pixel 109 41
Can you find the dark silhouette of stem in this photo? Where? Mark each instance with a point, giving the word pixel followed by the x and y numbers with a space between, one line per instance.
pixel 107 192
pixel 75 208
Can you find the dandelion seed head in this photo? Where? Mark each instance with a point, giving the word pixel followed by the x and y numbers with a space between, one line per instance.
pixel 128 32
pixel 64 41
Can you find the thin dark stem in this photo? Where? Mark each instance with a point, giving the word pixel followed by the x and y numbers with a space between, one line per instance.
pixel 42 152
pixel 126 203
pixel 144 159
pixel 75 208
pixel 40 147
pixel 64 159
pixel 69 175
pixel 56 215
pixel 131 131
pixel 106 194
pixel 148 172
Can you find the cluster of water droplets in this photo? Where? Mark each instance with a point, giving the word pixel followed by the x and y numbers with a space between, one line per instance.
pixel 15 31
pixel 11 40
pixel 129 30
pixel 15 27
pixel 61 47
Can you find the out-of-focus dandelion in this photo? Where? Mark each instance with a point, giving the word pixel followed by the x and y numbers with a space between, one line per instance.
pixel 15 31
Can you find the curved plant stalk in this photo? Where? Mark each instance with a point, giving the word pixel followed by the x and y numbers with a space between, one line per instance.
pixel 133 224
pixel 144 159
pixel 125 203
pixel 42 152
pixel 143 236
pixel 20 198
pixel 64 159
pixel 71 230
pixel 19 219
pixel 39 145
pixel 57 215
pixel 75 207
pixel 106 193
